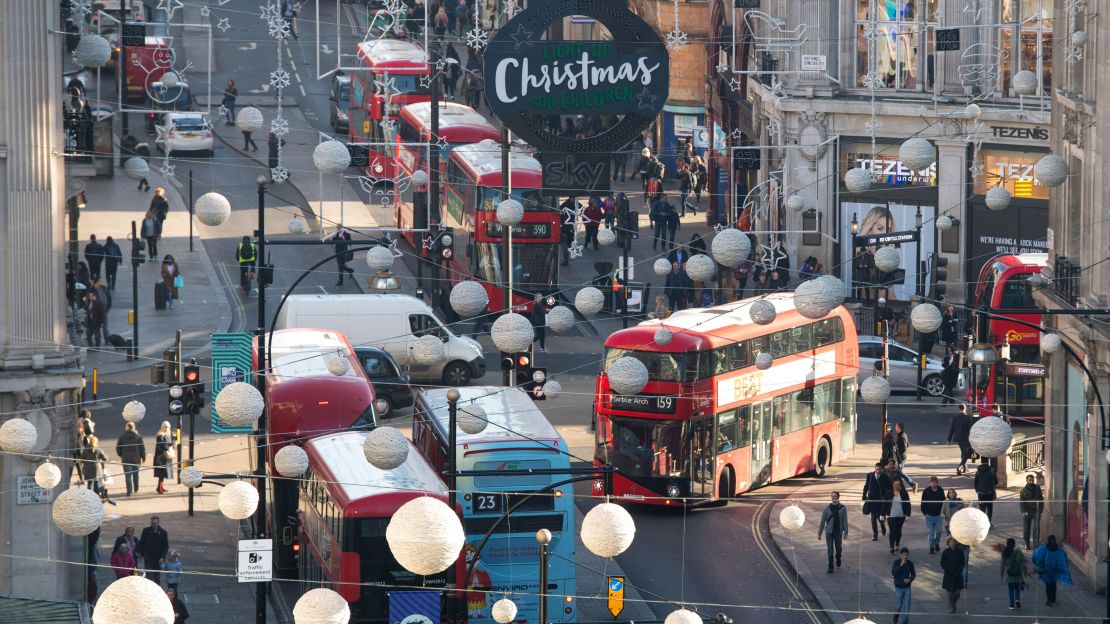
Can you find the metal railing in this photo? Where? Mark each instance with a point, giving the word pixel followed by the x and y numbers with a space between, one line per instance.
pixel 1066 280
pixel 1027 454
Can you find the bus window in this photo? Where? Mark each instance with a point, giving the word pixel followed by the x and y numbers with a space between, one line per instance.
pixel 727 431
pixel 720 360
pixel 738 356
pixel 778 416
pixel 1017 293
pixel 823 332
pixel 800 414
pixel 802 338
pixel 758 345
pixel 825 399
pixel 780 343
pixel 661 366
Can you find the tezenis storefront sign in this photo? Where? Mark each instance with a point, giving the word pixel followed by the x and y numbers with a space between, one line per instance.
pixel 529 79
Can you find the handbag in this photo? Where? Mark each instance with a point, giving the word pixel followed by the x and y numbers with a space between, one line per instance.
pixel 107 479
pixel 179 281
pixel 170 454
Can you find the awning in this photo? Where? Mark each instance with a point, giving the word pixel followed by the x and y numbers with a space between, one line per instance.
pixel 35 611
pixel 683 110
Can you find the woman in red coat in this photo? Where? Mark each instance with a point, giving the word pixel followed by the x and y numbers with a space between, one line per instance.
pixel 123 561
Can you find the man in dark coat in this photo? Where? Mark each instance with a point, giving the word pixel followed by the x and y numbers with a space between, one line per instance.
pixel 132 453
pixel 932 507
pixel 952 563
pixel 94 318
pixel 94 255
pixel 113 256
pixel 154 543
pixel 876 489
pixel 342 241
pixel 959 431
pixel 677 287
pixel 951 374
pixel 834 529
pixel 985 483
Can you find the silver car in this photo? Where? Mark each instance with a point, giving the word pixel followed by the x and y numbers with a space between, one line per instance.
pixel 903 366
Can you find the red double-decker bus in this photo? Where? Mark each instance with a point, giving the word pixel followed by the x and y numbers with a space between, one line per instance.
pixel 1004 285
pixel 458 124
pixel 305 399
pixel 471 195
pixel 345 507
pixel 391 66
pixel 709 424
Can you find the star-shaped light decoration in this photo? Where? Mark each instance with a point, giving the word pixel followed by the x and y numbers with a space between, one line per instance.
pixel 871 80
pixel 222 110
pixel 441 143
pixel 279 29
pixel 522 38
pixel 80 7
pixel 224 24
pixel 397 253
pixel 719 227
pixel 645 100
pixel 778 89
pixel 771 256
pixel 736 136
pixel 477 38
pixel 167 170
pixel 160 133
pixel 279 174
pixel 170 7
pixel 205 11
pixel 425 82
pixel 279 79
pixel 512 7
pixel 976 169
pixel 269 12
pixel 774 130
pixel 387 87
pixel 871 126
pixel 676 39
pixel 733 84
pixel 279 126
pixel 575 250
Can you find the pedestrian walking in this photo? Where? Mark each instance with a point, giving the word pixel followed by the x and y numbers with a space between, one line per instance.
pixel 173 279
pixel 180 612
pixel 289 14
pixel 131 450
pixel 172 567
pixel 82 429
pixel 952 504
pixel 1032 505
pixel 538 318
pixel 231 93
pixel 949 326
pixel 1051 565
pixel 685 187
pixel 741 274
pixel 128 538
pixel 1014 568
pixel 151 231
pixel 701 178
pixel 342 241
pixel 609 209
pixel 932 507
pixel 951 374
pixel 985 484
pixel 100 287
pixel 679 254
pixel 143 151
pixel 673 223
pixel 123 561
pixel 887 444
pixel 904 574
pixel 876 489
pixel 248 142
pixel 677 288
pixel 154 543
pixel 592 218
pixel 959 431
pixel 161 207
pixel 901 452
pixel 164 455
pixel 94 256
pixel 93 462
pixel 895 474
pixel 897 513
pixel 833 528
pixel 620 164
pixel 113 256
pixel 659 224
pixel 472 89
pixel 952 564
pixel 95 315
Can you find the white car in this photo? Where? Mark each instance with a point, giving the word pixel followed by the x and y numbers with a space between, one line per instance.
pixel 186 132
pixel 903 366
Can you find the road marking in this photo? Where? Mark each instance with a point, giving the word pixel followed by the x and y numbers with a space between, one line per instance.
pixel 761 511
pixel 323 290
pixel 301 87
pixel 236 301
pixel 265 89
pixel 250 46
pixel 326 49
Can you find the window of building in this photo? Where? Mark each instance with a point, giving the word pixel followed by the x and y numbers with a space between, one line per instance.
pixel 900 50
pixel 1025 41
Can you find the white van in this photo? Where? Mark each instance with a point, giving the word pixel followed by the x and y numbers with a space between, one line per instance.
pixel 393 323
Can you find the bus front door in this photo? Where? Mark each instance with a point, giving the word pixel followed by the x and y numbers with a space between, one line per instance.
pixel 702 456
pixel 761 444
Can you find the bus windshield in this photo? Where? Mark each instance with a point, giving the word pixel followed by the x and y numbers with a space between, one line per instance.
pixel 661 366
pixel 532 199
pixel 1017 294
pixel 534 265
pixel 405 84
pixel 648 448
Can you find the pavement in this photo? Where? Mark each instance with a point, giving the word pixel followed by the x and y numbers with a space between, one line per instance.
pixel 863 586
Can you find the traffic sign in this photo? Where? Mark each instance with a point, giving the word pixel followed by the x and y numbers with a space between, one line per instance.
pixel 256 560
pixel 867 240
pixel 616 595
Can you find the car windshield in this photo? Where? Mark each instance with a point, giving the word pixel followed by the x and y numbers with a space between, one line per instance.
pixel 189 124
pixel 648 448
pixel 661 366
pixel 343 100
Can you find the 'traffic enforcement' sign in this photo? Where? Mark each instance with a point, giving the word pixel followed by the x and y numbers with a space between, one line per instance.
pixel 256 559
pixel 616 595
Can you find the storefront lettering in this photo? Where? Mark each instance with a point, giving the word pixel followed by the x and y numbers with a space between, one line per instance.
pixel 1011 132
pixel 892 171
pixel 1005 245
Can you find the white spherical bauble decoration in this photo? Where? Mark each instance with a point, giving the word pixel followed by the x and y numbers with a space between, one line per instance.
pixel 419 177
pixel 700 268
pixel 817 297
pixel 972 111
pixel 291 461
pixel 1079 38
pixel 134 411
pixel 796 202
pixel 385 448
pixel 792 518
pixel 133 600
pixel 917 154
pixel 763 361
pixel 472 419
pixel 606 237
pixel 661 267
pixel 512 333
pixel 998 198
pixel 379 259
pixel 468 298
pixel 887 259
pixel 663 336
pixel 762 312
pixel 238 500
pixel 730 247
pixel 192 476
pixel 18 435
pixel 1050 343
pixel 48 475
pixel 1025 82
pixel 425 536
pixel 859 620
pixel 338 363
pixel 239 404
pixel 560 318
pixel 321 606
pixel 589 301
pixel 682 616
pixel 92 51
pixel 875 390
pixel 510 212
pixel 991 436
pixel 296 226
pixel 945 222
pixel 627 375
pixel 213 209
pixel 249 119
pixel 136 168
pixel 857 180
pixel 428 350
pixel 969 526
pixel 608 530
pixel 926 318
pixel 504 611
pixel 331 157
pixel 1051 170
pixel 552 388
pixel 78 511
pixel 170 79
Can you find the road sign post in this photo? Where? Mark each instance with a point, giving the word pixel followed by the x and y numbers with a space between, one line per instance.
pixel 256 561
pixel 616 595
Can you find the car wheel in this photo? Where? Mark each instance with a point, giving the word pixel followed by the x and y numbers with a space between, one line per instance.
pixel 456 374
pixel 934 385
pixel 390 407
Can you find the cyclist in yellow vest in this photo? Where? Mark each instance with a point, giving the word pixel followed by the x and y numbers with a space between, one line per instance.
pixel 246 255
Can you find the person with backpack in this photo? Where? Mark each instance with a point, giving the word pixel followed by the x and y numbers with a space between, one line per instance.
pixel 834 528
pixel 1051 564
pixel 1014 570
pixel 985 484
pixel 246 255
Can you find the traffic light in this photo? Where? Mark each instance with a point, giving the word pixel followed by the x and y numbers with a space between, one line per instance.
pixel 938 272
pixel 443 244
pixel 508 360
pixel 532 382
pixel 194 387
pixel 176 399
pixel 170 360
pixel 138 246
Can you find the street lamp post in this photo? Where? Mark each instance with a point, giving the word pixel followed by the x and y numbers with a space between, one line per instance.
pixel 452 496
pixel 1004 402
pixel 543 536
pixel 980 354
pixel 260 383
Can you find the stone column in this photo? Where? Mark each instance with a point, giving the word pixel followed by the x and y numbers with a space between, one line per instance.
pixel 951 200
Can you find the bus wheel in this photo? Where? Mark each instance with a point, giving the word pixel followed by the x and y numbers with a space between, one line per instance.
pixel 727 489
pixel 456 374
pixel 823 456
